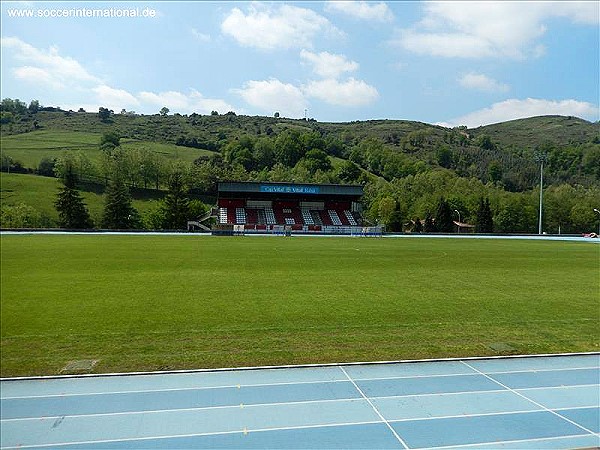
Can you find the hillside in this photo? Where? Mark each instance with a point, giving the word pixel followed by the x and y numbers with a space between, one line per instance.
pixel 410 162
pixel 535 131
pixel 530 132
pixel 500 153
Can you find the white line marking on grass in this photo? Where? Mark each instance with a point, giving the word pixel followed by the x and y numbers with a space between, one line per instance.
pixel 375 409
pixel 214 433
pixel 530 400
pixel 514 441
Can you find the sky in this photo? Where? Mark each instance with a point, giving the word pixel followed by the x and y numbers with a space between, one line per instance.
pixel 448 63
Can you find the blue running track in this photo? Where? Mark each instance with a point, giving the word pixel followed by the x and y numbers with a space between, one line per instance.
pixel 524 402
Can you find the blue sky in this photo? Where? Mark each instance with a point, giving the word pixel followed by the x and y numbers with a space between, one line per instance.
pixel 452 63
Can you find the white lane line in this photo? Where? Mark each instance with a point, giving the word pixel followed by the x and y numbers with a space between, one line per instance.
pixel 250 405
pixel 302 402
pixel 234 386
pixel 571 386
pixel 375 409
pixel 200 388
pixel 285 383
pixel 562 369
pixel 200 408
pixel 532 401
pixel 498 413
pixel 212 433
pixel 514 441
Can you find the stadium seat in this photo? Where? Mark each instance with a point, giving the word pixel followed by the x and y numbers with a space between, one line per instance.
pixel 307 217
pixel 350 218
pixel 335 219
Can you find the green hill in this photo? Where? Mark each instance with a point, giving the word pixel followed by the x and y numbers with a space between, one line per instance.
pixel 40 193
pixel 535 131
pixel 412 162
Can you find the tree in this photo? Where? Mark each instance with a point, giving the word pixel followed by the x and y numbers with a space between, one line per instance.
pixel 395 220
pixel 429 226
pixel 495 171
pixel 276 115
pixel 15 106
pixel 109 141
pixel 484 222
pixel 444 156
pixel 104 114
pixel 176 204
pixel 46 166
pixel 317 160
pixel 22 216
pixel 386 207
pixel 485 142
pixel 164 111
pixel 34 106
pixel 119 213
pixel 72 212
pixel 489 217
pixel 443 218
pixel 289 148
pixel 264 153
pixel 214 113
pixel 418 226
pixel 349 172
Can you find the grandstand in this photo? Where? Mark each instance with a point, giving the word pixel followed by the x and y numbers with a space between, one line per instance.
pixel 297 208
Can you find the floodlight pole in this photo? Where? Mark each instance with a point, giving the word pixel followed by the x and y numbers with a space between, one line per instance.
pixel 541 157
pixel 456 211
pixel 598 212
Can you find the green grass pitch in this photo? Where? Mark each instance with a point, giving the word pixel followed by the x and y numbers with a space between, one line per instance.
pixel 177 302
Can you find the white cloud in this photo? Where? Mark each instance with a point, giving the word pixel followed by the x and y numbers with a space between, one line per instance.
pixel 451 45
pixel 484 29
pixel 51 66
pixel 201 37
pixel 202 105
pixel 35 75
pixel 171 99
pixel 378 12
pixel 184 103
pixel 276 27
pixel 328 65
pixel 481 82
pixel 349 93
pixel 518 109
pixel 115 99
pixel 273 95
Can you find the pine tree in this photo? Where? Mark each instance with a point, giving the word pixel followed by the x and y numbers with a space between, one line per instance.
pixel 176 204
pixel 484 218
pixel 72 212
pixel 395 221
pixel 480 219
pixel 418 226
pixel 429 224
pixel 443 218
pixel 119 213
pixel 489 218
